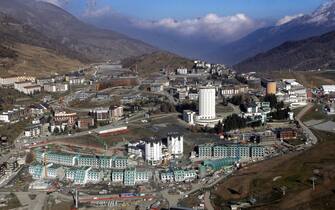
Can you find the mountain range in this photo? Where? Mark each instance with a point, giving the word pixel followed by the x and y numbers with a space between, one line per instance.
pixel 308 54
pixel 321 21
pixel 39 35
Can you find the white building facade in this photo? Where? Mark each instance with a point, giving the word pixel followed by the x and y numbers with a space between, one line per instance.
pixel 207 103
pixel 175 144
pixel 153 152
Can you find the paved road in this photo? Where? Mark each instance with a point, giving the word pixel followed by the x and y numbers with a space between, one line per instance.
pixel 306 130
pixel 37 204
pixel 208 204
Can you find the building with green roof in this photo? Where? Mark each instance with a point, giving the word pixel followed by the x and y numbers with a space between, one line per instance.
pixel 219 164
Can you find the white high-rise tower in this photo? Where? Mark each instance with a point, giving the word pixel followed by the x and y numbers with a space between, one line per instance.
pixel 207 103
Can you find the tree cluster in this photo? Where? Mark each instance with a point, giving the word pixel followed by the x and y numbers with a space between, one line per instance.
pixel 167 107
pixel 234 122
pixel 241 79
pixel 272 98
pixel 186 106
pixel 281 114
pixel 236 100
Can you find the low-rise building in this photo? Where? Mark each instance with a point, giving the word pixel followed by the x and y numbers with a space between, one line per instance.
pixel 69 118
pixel 243 152
pixel 83 175
pixel 136 149
pixel 116 112
pixel 101 114
pixel 13 115
pixel 46 80
pixel 134 177
pixel 56 87
pixel 287 134
pixel 205 151
pixel 167 176
pixel 49 171
pixel 184 175
pixel 156 88
pixel 295 94
pixel 76 80
pixel 182 95
pixel 232 90
pixel 131 176
pixel 68 159
pixel 10 80
pixel 188 116
pixel 85 123
pixel 193 96
pixel 328 89
pixel 33 130
pixel 117 176
pixel 182 71
pixel 31 89
pixel 20 85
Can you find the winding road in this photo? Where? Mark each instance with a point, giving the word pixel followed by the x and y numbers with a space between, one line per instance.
pixel 306 130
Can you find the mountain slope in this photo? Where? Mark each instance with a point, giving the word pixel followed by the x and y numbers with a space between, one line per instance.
pixel 319 22
pixel 309 54
pixel 23 50
pixel 154 62
pixel 87 41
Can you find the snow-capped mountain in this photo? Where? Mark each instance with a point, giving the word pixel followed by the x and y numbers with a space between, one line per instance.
pixel 319 22
pixel 323 15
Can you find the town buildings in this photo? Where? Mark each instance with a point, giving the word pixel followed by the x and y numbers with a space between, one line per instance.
pixel 67 159
pixel 27 87
pixel 328 89
pixel 10 80
pixel 85 123
pixel 178 175
pixel 56 87
pixel 293 93
pixel 242 152
pixel 69 118
pixel 229 91
pixel 33 130
pixel 131 176
pixel 13 115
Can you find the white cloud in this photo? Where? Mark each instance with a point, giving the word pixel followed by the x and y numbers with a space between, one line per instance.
pixel 211 26
pixel 59 3
pixel 103 11
pixel 89 3
pixel 287 19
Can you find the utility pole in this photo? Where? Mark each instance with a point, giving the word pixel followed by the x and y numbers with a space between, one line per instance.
pixel 283 189
pixel 313 179
pixel 77 202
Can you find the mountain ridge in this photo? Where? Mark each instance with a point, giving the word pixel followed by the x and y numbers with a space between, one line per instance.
pixel 309 54
pixel 321 21
pixel 87 41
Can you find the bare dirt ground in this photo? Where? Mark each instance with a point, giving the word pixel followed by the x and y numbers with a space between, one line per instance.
pixel 308 79
pixel 294 171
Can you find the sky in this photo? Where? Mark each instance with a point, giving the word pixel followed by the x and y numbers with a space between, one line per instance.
pixel 180 24
pixel 184 9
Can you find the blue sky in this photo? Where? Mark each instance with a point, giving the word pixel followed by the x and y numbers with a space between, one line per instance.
pixel 182 9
